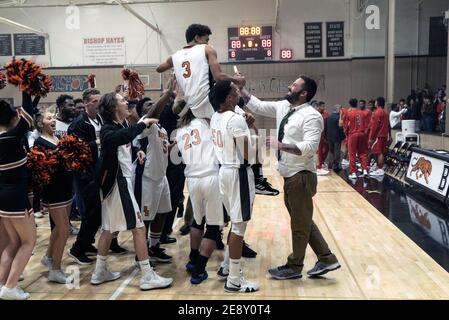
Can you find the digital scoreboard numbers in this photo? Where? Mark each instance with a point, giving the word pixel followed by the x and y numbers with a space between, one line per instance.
pixel 250 43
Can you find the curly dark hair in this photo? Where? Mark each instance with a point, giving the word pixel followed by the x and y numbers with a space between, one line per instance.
pixel 107 105
pixel 61 100
pixel 7 113
pixel 197 30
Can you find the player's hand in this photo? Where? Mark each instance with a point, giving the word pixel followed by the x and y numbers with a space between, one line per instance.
pixel 250 119
pixel 141 156
pixel 240 81
pixel 272 143
pixel 149 121
pixel 118 88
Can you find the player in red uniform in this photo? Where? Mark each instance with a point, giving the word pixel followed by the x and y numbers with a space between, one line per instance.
pixel 379 135
pixel 366 120
pixel 355 129
pixel 323 147
pixel 344 143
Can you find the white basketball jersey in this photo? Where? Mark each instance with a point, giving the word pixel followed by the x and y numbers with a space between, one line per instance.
pixel 197 149
pixel 61 128
pixel 225 127
pixel 156 151
pixel 192 74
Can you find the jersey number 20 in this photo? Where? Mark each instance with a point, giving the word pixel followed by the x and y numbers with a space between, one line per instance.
pixel 187 72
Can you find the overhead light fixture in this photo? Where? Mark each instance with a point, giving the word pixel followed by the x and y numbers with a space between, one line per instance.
pixel 22 26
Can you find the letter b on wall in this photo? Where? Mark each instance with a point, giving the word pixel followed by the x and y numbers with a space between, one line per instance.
pixel 72 21
pixel 372 22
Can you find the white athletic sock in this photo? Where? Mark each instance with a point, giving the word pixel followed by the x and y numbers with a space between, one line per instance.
pixel 226 257
pixel 234 268
pixel 155 237
pixel 145 266
pixel 101 262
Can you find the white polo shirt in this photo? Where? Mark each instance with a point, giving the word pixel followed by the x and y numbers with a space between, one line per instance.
pixel 303 129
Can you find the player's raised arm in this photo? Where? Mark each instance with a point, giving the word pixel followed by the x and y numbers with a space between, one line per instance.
pixel 215 68
pixel 166 65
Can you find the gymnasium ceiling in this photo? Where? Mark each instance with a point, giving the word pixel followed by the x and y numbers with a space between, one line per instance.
pixel 64 3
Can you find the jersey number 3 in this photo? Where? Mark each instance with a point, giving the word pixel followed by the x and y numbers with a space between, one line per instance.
pixel 187 72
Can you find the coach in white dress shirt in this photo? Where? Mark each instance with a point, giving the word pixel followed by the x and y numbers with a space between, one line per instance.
pixel 299 131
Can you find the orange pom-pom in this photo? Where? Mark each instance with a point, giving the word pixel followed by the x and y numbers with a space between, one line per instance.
pixel 136 87
pixel 91 80
pixel 28 77
pixel 75 154
pixel 42 163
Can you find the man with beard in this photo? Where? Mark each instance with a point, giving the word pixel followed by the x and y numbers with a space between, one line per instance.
pixel 66 113
pixel 299 131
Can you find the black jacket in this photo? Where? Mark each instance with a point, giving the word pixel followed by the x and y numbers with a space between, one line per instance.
pixel 334 133
pixel 112 136
pixel 83 129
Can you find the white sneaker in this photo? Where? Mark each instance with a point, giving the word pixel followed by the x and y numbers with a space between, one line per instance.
pixel 47 262
pixel 378 172
pixel 352 176
pixel 38 215
pixel 103 275
pixel 240 285
pixel 58 276
pixel 151 280
pixel 13 294
pixel 223 272
pixel 373 168
pixel 345 162
pixel 365 173
pixel 322 172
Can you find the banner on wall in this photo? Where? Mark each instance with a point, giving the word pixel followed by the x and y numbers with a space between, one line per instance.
pixel 104 51
pixel 429 172
pixel 313 42
pixel 335 39
pixel 69 83
pixel 28 44
pixel 5 45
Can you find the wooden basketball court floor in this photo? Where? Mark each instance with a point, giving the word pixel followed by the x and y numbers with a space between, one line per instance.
pixel 378 260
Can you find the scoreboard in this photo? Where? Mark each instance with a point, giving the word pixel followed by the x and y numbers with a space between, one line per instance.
pixel 250 43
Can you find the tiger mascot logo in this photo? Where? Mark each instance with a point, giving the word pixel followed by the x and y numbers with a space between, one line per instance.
pixel 422 167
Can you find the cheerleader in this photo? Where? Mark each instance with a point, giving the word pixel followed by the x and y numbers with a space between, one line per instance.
pixel 120 211
pixel 57 198
pixel 15 210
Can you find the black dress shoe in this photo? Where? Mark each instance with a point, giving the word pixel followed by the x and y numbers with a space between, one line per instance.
pixel 167 240
pixel 247 252
pixel 185 230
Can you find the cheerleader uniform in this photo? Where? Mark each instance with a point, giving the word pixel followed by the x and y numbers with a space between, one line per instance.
pixel 119 208
pixel 58 193
pixel 13 171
